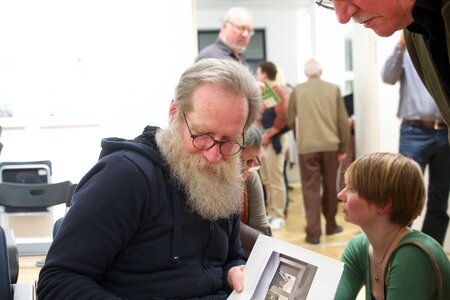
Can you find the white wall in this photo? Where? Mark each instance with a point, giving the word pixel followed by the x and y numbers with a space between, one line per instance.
pixel 89 69
pixel 109 67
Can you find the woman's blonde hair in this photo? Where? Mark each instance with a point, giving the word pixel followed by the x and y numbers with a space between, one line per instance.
pixel 383 177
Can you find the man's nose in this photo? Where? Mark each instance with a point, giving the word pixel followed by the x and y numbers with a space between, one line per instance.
pixel 344 11
pixel 213 154
pixel 246 33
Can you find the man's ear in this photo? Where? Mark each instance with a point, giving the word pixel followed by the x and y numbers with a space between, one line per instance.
pixel 173 110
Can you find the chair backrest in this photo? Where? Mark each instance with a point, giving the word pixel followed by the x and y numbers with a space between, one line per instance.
pixel 26 171
pixel 5 279
pixel 13 254
pixel 43 195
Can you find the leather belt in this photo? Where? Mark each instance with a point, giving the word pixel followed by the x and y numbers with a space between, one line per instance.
pixel 436 125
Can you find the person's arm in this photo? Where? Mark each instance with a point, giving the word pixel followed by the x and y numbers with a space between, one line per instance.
pixel 393 68
pixel 256 206
pixel 292 111
pixel 234 278
pixel 280 110
pixel 411 275
pixel 279 122
pixel 103 218
pixel 248 237
pixel 257 221
pixel 352 278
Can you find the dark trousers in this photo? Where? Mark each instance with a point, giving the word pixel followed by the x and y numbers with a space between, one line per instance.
pixel 317 168
pixel 430 147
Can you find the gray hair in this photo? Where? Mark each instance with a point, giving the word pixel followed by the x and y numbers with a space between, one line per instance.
pixel 227 74
pixel 253 138
pixel 313 68
pixel 236 11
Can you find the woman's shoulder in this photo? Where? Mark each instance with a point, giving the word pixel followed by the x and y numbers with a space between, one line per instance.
pixel 358 245
pixel 359 240
pixel 422 240
pixel 253 182
pixel 417 240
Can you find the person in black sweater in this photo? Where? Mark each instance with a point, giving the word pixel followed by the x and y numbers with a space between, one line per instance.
pixel 158 216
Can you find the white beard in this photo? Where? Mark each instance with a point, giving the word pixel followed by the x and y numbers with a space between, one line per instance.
pixel 214 191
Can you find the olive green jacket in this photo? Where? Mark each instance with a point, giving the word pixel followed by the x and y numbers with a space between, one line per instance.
pixel 425 66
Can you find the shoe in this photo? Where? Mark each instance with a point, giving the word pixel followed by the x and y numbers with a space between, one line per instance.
pixel 276 223
pixel 312 241
pixel 335 230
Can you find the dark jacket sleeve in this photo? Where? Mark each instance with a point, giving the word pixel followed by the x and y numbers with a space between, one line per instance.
pixel 235 253
pixel 98 213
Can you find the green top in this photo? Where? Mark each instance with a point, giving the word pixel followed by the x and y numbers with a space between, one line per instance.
pixel 411 274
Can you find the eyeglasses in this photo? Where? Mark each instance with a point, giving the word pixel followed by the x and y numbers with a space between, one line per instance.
pixel 241 29
pixel 251 165
pixel 206 142
pixel 328 4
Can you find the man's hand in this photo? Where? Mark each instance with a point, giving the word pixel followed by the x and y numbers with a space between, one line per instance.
pixel 265 139
pixel 342 156
pixel 261 86
pixel 235 278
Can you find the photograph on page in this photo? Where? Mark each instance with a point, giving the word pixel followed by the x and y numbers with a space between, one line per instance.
pixel 283 271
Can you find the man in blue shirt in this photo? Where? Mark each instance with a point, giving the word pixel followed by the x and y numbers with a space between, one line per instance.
pixel 423 136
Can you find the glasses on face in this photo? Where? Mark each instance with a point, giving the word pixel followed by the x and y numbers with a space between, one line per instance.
pixel 241 29
pixel 251 165
pixel 206 142
pixel 328 4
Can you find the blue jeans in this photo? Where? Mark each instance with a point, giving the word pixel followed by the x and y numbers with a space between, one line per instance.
pixel 430 147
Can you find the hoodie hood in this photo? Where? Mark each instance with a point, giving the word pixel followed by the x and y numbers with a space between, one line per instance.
pixel 145 144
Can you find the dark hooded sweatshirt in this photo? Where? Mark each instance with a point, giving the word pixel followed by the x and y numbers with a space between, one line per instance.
pixel 129 234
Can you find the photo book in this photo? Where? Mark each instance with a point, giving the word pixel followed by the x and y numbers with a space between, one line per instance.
pixel 269 97
pixel 279 270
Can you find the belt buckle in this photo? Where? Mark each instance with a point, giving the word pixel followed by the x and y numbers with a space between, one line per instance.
pixel 439 125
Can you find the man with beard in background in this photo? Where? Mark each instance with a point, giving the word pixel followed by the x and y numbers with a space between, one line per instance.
pixel 158 216
pixel 234 36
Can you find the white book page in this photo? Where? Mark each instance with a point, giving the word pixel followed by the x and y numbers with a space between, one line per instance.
pixel 289 272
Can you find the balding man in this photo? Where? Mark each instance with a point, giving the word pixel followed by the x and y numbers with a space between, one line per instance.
pixel 234 36
pixel 322 135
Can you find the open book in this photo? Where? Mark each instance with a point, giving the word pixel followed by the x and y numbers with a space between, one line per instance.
pixel 279 270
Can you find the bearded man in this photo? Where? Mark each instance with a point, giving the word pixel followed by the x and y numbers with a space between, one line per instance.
pixel 234 36
pixel 158 216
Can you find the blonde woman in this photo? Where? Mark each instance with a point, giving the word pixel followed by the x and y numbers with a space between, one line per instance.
pixel 384 193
